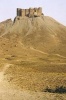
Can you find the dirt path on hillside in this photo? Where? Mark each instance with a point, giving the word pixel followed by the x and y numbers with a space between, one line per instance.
pixel 8 92
pixel 38 50
pixel 6 66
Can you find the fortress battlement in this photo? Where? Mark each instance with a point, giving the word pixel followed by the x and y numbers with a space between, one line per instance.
pixel 31 12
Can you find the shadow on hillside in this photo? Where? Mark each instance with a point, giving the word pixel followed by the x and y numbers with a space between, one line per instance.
pixel 60 89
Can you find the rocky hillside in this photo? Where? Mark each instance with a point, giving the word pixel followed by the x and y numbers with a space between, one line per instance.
pixel 32 59
pixel 40 33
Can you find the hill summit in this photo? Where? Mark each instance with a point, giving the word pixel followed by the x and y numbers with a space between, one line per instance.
pixel 38 33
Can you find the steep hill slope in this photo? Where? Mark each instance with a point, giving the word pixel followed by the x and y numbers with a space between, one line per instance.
pixel 41 33
pixel 4 26
pixel 32 57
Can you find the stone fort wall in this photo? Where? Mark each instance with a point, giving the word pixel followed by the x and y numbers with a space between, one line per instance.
pixel 29 12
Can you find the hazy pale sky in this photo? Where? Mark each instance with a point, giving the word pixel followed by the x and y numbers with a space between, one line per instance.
pixel 53 8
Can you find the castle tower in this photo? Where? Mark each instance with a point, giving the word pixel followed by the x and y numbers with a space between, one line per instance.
pixel 39 11
pixel 35 12
pixel 18 12
pixel 27 12
pixel 22 12
pixel 35 9
pixel 31 12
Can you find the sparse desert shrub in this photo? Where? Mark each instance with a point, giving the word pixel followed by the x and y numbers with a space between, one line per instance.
pixel 58 89
pixel 13 56
pixel 8 58
pixel 49 90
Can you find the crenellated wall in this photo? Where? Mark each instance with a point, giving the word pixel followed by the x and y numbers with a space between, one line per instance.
pixel 31 12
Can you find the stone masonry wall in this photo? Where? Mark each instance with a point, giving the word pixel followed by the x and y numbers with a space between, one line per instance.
pixel 31 12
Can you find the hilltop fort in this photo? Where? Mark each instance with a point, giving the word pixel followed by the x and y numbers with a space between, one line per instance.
pixel 31 12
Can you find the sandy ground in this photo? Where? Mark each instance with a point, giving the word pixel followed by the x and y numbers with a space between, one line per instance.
pixel 8 92
pixel 40 39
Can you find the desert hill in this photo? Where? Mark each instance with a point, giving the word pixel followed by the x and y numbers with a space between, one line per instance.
pixel 4 26
pixel 40 33
pixel 33 50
